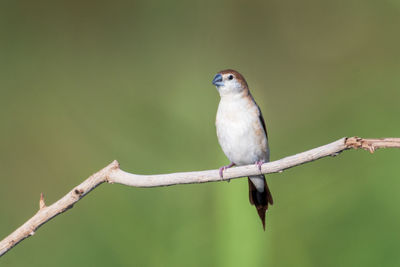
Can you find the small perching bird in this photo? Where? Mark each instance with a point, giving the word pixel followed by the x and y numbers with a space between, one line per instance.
pixel 242 134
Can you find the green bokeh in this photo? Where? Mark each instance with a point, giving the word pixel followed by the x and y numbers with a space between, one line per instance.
pixel 86 82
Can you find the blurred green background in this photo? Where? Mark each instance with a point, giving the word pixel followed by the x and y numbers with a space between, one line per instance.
pixel 86 82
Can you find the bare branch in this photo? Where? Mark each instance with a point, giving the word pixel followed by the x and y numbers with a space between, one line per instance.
pixel 113 174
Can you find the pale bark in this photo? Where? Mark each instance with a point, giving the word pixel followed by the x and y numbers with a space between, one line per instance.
pixel 113 174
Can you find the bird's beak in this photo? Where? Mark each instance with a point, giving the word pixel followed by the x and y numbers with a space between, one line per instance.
pixel 217 81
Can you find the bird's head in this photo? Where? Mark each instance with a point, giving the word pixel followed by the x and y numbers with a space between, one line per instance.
pixel 229 82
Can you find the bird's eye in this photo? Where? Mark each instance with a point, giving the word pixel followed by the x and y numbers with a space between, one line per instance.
pixel 230 77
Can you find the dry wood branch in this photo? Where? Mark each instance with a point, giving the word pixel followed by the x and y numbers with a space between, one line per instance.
pixel 113 174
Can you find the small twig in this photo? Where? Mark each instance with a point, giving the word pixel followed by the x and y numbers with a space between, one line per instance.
pixel 372 144
pixel 41 202
pixel 113 174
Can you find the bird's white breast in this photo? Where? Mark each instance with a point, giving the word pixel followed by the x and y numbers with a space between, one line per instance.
pixel 240 132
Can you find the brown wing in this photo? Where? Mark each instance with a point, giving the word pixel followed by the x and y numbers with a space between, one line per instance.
pixel 260 116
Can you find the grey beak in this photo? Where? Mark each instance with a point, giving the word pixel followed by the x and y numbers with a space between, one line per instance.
pixel 217 81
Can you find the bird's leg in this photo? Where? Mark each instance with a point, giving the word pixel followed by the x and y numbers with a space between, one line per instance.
pixel 259 163
pixel 223 168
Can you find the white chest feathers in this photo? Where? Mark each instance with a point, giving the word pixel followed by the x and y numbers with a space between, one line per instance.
pixel 240 131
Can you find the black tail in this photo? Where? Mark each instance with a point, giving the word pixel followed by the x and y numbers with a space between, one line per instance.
pixel 260 199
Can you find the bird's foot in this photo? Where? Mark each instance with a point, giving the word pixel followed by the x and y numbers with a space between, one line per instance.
pixel 259 163
pixel 223 168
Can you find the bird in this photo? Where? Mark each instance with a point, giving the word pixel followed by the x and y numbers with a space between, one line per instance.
pixel 242 134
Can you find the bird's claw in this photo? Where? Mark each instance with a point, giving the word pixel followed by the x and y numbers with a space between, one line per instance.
pixel 259 164
pixel 223 168
pixel 221 171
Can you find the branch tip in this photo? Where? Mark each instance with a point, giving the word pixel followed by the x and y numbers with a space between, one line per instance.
pixel 41 201
pixel 371 144
pixel 115 164
pixel 371 149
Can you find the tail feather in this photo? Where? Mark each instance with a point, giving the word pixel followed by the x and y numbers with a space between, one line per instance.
pixel 260 199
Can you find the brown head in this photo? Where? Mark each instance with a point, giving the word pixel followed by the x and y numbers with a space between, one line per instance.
pixel 229 82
